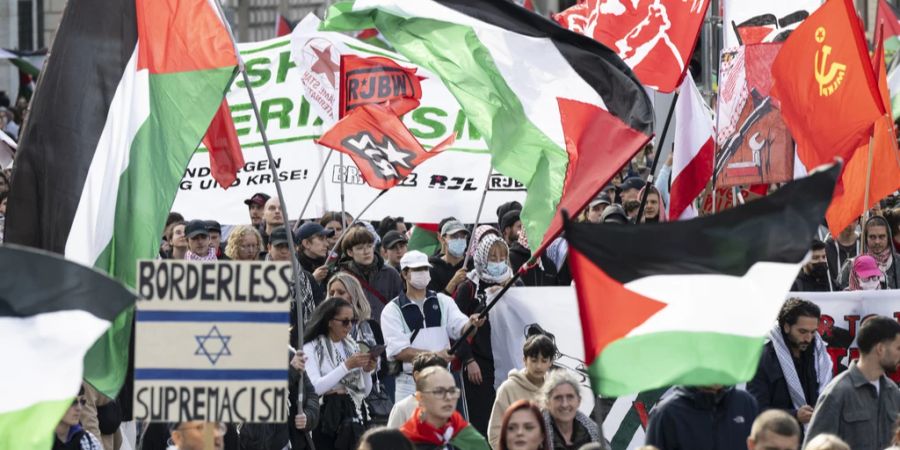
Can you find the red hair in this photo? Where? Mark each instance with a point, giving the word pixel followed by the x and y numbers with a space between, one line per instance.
pixel 519 405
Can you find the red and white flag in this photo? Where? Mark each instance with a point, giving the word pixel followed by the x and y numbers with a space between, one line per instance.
pixel 692 159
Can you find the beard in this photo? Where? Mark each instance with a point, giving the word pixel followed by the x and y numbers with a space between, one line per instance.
pixel 796 344
pixel 888 365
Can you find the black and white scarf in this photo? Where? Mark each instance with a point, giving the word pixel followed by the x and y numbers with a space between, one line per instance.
pixel 822 364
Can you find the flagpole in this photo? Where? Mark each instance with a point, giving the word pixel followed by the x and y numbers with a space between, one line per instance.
pixel 313 190
pixel 662 141
pixel 868 183
pixel 478 214
pixel 295 265
pixel 343 174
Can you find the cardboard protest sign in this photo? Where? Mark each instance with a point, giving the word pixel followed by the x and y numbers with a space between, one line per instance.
pixel 209 341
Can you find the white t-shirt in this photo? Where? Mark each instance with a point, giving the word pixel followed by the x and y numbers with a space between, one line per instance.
pixel 402 411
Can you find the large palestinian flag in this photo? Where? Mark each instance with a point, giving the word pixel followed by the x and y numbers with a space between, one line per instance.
pixel 49 317
pixel 559 111
pixel 122 103
pixel 690 302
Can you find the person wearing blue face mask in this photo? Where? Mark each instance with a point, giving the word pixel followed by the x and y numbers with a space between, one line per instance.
pixel 492 271
pixel 447 270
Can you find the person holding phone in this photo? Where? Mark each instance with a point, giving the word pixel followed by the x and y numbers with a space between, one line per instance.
pixel 340 373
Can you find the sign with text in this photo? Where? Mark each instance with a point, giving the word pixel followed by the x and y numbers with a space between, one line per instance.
pixel 209 341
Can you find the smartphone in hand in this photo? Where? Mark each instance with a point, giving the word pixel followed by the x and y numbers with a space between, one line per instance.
pixel 376 351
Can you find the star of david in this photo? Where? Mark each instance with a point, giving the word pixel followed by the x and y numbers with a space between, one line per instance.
pixel 324 64
pixel 213 345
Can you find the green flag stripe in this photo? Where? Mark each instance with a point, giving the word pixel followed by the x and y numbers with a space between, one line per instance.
pixel 17 428
pixel 181 108
pixel 691 358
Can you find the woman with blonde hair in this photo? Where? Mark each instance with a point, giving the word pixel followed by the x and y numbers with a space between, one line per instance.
pixel 244 244
pixel 345 286
pixel 827 442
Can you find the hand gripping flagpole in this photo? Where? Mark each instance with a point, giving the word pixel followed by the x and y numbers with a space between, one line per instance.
pixel 295 265
pixel 656 158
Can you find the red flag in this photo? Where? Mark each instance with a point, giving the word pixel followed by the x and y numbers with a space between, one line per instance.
pixel 824 80
pixel 888 17
pixel 383 149
pixel 656 38
pixel 378 80
pixel 283 26
pixel 849 199
pixel 225 156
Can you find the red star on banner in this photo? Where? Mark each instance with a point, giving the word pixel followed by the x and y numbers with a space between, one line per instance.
pixel 325 65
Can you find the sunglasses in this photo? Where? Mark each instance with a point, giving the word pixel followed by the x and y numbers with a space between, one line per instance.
pixel 345 322
pixel 79 401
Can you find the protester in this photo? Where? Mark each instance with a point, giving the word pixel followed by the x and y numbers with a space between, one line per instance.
pixel 840 249
pixel 301 423
pixel 215 238
pixel 436 424
pixel 334 222
pixel 630 190
pixel 244 244
pixel 525 384
pixel 865 275
pixel 827 442
pixel 703 418
pixel 491 272
pixel 380 281
pixel 389 224
pixel 511 226
pixel 878 244
pixel 447 271
pixel 393 247
pixel 614 214
pixel 403 409
pixel 312 249
pixel 813 276
pixel 795 365
pixel 101 416
pixel 523 428
pixel 255 206
pixel 384 438
pixel 198 242
pixel 190 435
pixel 339 373
pixel 367 330
pixel 69 433
pixel 655 208
pixel 420 320
pixel 861 404
pixel 596 207
pixel 893 219
pixel 272 218
pixel 774 430
pixel 178 243
pixel 481 231
pixel 569 428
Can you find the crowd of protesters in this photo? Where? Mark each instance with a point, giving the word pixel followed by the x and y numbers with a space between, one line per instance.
pixel 380 320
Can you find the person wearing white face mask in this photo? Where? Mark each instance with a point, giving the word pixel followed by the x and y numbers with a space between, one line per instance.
pixel 492 270
pixel 420 320
pixel 865 275
pixel 447 270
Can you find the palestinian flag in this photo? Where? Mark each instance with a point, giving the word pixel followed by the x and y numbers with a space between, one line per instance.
pixel 29 65
pixel 49 317
pixel 690 302
pixel 111 131
pixel 888 15
pixel 560 112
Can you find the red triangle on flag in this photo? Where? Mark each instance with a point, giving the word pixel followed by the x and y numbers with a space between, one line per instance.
pixel 608 310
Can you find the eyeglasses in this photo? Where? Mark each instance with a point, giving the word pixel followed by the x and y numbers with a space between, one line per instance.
pixel 444 392
pixel 345 322
pixel 220 428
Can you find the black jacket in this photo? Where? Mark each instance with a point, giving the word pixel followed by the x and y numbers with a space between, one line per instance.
pixel 380 282
pixel 695 420
pixel 808 283
pixel 769 386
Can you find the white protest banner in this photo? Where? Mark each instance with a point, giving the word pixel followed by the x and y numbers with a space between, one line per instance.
pixel 209 341
pixel 758 21
pixel 450 184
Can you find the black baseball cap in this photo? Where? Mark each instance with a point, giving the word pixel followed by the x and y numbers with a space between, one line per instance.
pixel 195 228
pixel 633 183
pixel 310 229
pixel 614 214
pixel 258 198
pixel 212 225
pixel 279 236
pixel 391 238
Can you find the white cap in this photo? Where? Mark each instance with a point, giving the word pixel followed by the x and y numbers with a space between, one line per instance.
pixel 413 260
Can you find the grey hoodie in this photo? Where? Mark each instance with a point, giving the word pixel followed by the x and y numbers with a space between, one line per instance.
pixel 516 387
